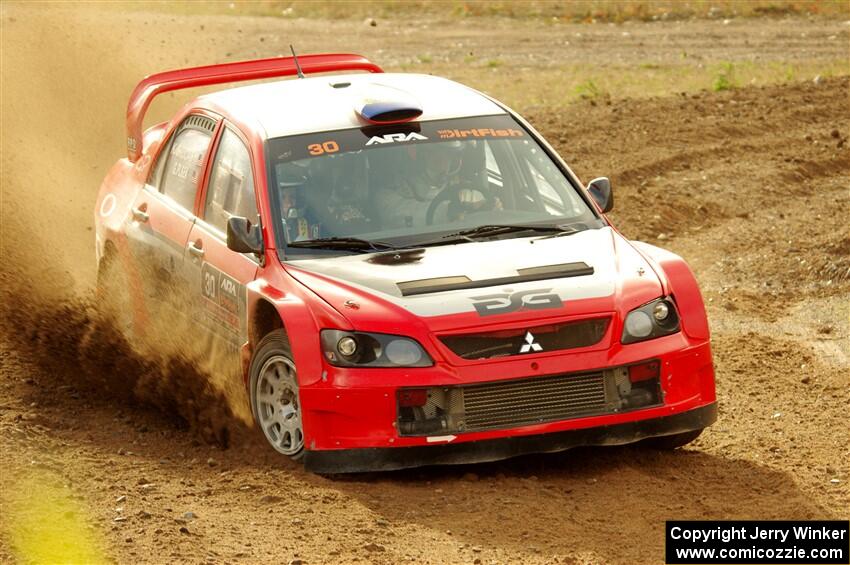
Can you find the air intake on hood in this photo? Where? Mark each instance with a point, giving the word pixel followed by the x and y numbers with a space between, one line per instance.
pixel 389 112
pixel 387 105
pixel 461 282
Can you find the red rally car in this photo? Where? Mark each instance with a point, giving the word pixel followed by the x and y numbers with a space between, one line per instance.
pixel 404 270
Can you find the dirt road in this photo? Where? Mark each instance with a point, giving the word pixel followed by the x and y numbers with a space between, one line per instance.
pixel 749 185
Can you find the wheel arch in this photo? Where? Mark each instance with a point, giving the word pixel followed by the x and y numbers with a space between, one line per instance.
pixel 265 319
pixel 301 316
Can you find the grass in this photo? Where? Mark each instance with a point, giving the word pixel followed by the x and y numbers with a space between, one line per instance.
pixel 521 85
pixel 501 65
pixel 588 90
pixel 725 78
pixel 566 84
pixel 615 11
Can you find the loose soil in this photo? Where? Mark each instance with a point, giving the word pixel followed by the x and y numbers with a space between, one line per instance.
pixel 751 186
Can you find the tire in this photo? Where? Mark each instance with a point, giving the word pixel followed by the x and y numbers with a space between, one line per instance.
pixel 114 303
pixel 275 401
pixel 667 443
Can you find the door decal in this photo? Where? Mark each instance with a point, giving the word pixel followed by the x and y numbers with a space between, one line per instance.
pixel 224 299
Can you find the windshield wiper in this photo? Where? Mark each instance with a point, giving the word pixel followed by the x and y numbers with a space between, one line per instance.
pixel 490 230
pixel 348 243
pixel 566 231
pixel 498 229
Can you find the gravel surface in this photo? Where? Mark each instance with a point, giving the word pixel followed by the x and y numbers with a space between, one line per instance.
pixel 749 185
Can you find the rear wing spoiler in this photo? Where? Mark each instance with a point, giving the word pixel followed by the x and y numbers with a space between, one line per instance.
pixel 156 84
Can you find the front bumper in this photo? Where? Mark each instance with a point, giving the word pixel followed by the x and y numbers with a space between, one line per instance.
pixel 354 409
pixel 387 459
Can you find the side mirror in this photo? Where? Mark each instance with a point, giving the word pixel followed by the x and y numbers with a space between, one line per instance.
pixel 242 237
pixel 600 190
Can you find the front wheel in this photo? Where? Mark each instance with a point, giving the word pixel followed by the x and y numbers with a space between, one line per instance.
pixel 274 395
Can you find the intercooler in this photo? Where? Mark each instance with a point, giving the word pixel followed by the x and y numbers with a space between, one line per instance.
pixel 527 401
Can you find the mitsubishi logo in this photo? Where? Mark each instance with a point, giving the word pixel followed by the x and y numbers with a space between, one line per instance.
pixel 529 344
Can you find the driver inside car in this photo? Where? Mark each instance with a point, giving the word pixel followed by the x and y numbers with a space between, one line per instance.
pixel 323 198
pixel 439 172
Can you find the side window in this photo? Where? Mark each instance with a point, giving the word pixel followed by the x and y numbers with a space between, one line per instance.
pixel 231 186
pixel 155 174
pixel 494 173
pixel 550 186
pixel 185 161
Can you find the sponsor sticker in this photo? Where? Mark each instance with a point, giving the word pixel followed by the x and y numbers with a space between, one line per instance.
pixel 394 137
pixel 225 298
pixel 481 132
pixel 329 144
pixel 107 205
pixel 507 302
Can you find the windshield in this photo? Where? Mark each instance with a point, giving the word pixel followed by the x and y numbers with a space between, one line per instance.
pixel 413 184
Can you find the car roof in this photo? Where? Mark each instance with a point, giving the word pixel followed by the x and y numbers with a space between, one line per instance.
pixel 313 104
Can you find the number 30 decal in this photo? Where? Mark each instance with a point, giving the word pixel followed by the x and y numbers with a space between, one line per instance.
pixel 209 284
pixel 322 148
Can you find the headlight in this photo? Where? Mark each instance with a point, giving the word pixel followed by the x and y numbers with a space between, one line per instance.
pixel 358 349
pixel 654 319
pixel 638 324
pixel 660 311
pixel 347 346
pixel 403 352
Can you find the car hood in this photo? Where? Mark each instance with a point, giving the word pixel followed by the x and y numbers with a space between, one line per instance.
pixel 591 271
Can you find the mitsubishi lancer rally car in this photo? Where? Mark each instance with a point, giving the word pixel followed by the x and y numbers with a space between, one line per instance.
pixel 400 267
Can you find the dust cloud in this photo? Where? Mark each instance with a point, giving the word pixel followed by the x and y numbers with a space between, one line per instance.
pixel 65 84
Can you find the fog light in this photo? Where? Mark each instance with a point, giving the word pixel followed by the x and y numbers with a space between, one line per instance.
pixel 643 372
pixel 638 324
pixel 661 311
pixel 403 352
pixel 347 346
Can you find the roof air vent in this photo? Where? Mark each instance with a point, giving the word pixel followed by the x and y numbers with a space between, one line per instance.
pixel 387 105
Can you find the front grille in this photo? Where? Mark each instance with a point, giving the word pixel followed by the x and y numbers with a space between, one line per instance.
pixel 551 337
pixel 531 401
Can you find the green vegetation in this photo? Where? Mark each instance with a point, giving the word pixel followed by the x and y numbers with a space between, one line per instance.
pixel 552 12
pixel 725 78
pixel 519 69
pixel 789 73
pixel 588 90
pixel 564 84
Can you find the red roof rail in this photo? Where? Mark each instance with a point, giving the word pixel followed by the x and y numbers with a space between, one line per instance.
pixel 167 81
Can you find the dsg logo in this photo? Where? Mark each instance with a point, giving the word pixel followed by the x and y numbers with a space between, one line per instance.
pixel 504 303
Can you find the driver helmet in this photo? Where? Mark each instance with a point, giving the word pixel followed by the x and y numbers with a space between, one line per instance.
pixel 291 180
pixel 441 160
